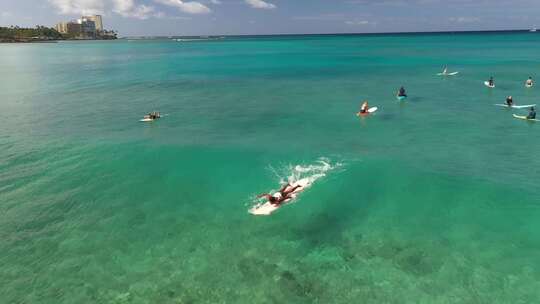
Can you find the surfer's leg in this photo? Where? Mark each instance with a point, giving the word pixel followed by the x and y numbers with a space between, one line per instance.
pixel 282 190
pixel 293 189
pixel 286 197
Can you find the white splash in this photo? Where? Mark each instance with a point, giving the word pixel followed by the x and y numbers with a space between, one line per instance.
pixel 304 175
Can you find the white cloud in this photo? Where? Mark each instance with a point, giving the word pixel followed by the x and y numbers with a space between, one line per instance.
pixel 191 7
pixel 5 14
pixel 215 1
pixel 81 7
pixel 260 4
pixel 360 22
pixel 125 8
pixel 128 8
pixel 464 19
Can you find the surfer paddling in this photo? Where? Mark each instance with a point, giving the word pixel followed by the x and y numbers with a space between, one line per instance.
pixel 285 193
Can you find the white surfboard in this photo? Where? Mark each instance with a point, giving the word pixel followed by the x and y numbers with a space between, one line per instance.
pixel 369 111
pixel 486 83
pixel 448 74
pixel 528 85
pixel 524 118
pixel 267 208
pixel 146 120
pixel 515 106
pixel 401 98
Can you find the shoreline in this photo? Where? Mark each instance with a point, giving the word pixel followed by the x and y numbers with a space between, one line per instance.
pixel 329 34
pixel 36 41
pixel 10 40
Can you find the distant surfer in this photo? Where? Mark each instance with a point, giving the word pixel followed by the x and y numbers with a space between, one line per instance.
pixel 155 115
pixel 491 83
pixel 509 101
pixel 401 92
pixel 532 113
pixel 446 73
pixel 152 115
pixel 529 82
pixel 364 108
pixel 282 195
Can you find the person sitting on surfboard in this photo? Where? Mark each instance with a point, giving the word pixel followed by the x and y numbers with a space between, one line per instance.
pixel 509 101
pixel 364 108
pixel 154 115
pixel 282 195
pixel 532 114
pixel 491 82
pixel 402 92
pixel 529 81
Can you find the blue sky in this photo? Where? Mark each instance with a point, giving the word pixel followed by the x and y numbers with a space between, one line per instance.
pixel 224 17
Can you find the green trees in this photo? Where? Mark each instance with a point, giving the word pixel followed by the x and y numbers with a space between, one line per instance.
pixel 19 34
pixel 43 33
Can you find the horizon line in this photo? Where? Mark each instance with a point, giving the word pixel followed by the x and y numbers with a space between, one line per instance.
pixel 330 34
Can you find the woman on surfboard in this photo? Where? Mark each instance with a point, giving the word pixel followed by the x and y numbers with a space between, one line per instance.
pixel 282 195
pixel 364 108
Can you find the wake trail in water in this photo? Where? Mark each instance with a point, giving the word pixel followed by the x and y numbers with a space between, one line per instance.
pixel 311 172
pixel 305 175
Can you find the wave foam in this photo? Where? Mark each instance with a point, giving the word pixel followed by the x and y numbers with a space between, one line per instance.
pixel 312 172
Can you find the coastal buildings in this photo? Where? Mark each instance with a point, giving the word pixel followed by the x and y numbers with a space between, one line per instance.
pixel 97 21
pixel 87 27
pixel 61 27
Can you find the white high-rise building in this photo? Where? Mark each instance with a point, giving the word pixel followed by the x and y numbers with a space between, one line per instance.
pixel 61 27
pixel 97 20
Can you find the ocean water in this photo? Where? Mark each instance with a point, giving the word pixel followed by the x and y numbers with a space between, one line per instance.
pixel 432 200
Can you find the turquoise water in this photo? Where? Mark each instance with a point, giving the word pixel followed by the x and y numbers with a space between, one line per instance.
pixel 434 200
